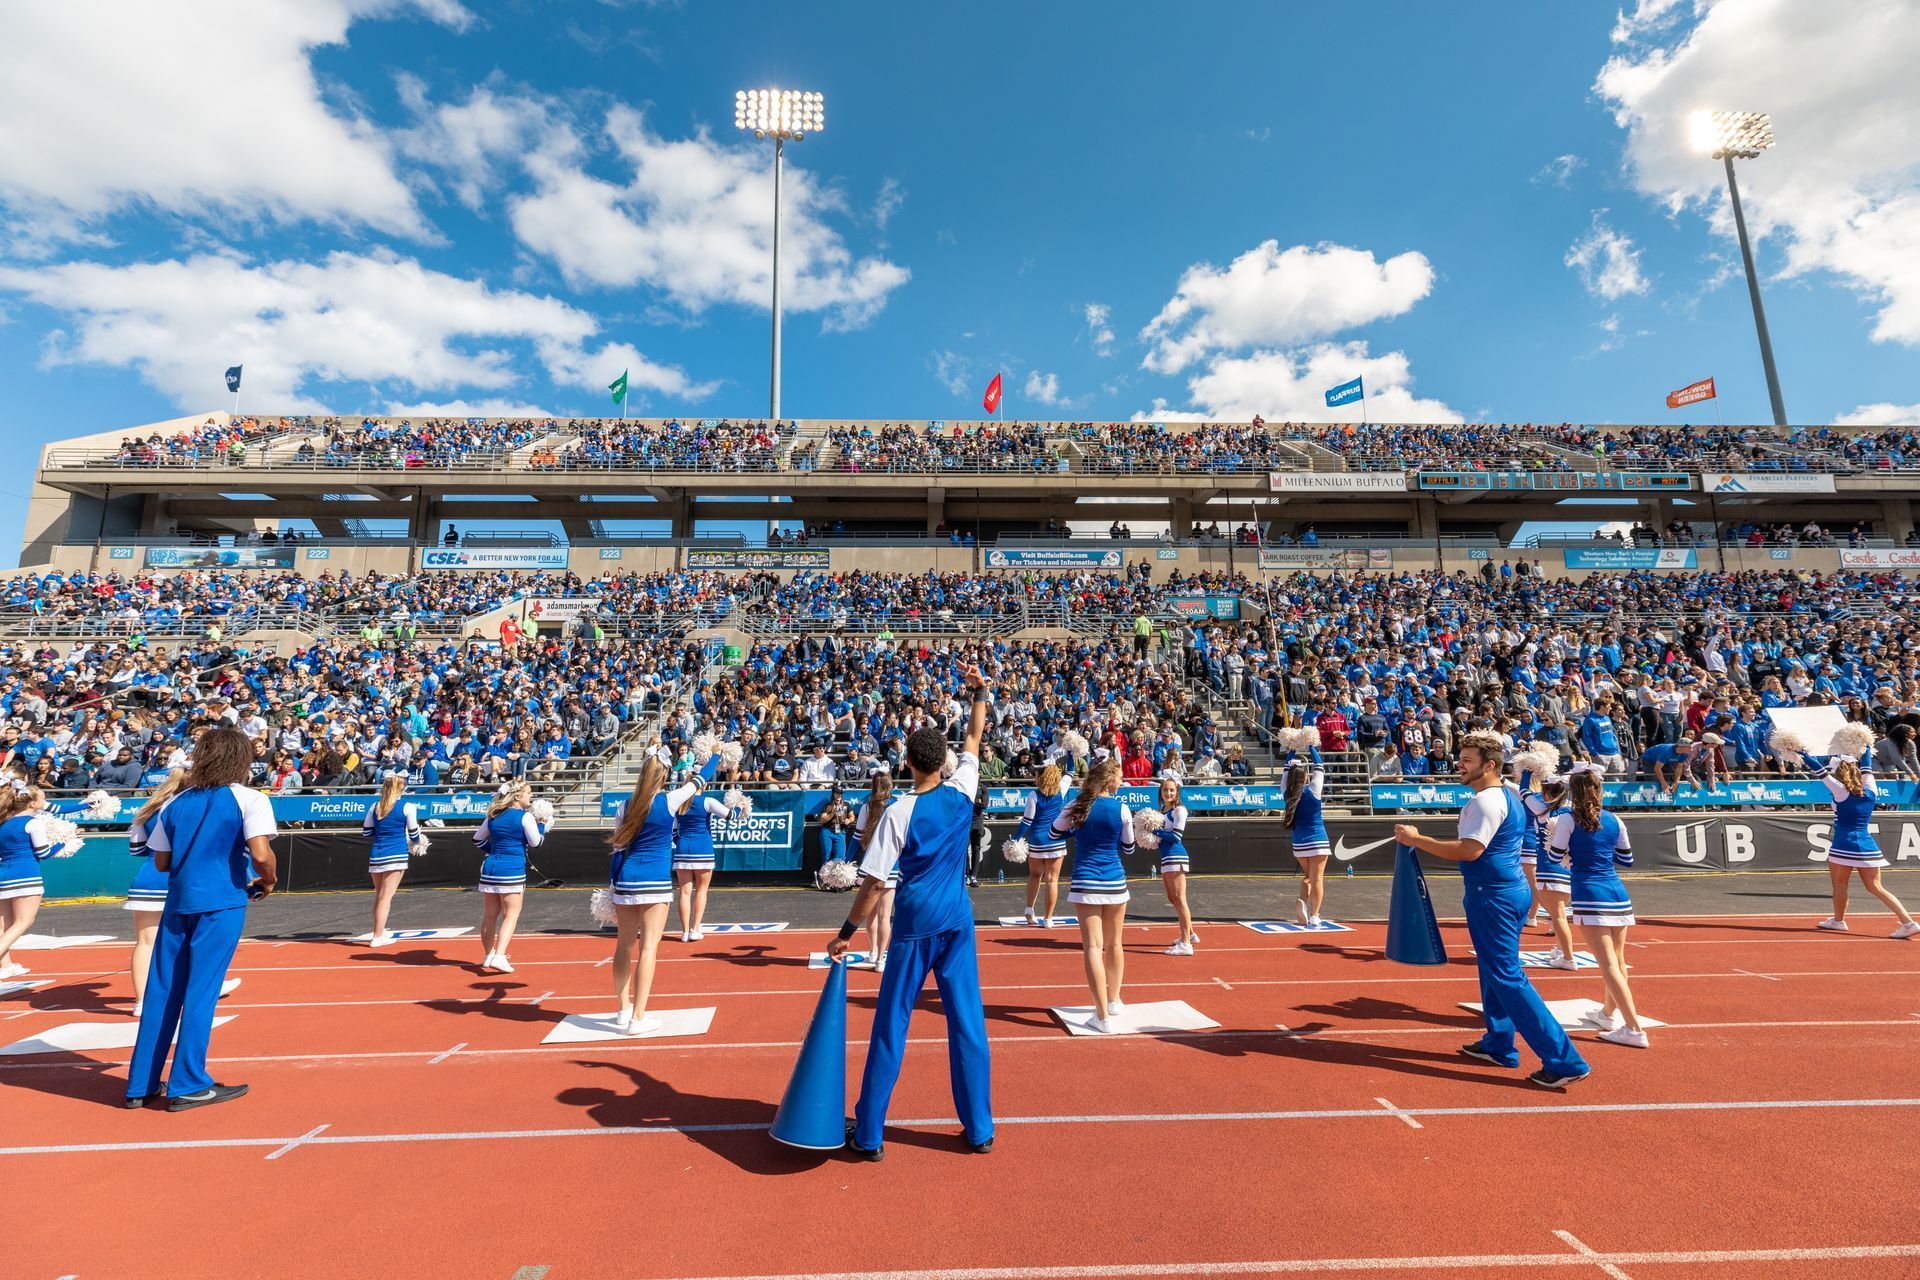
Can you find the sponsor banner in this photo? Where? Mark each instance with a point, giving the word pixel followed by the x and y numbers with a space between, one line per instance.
pixel 1557 481
pixel 998 559
pixel 1631 558
pixel 761 558
pixel 1765 482
pixel 446 806
pixel 1746 793
pixel 1692 393
pixel 1880 557
pixel 220 557
pixel 561 608
pixel 453 558
pixel 1224 607
pixel 1337 481
pixel 1325 558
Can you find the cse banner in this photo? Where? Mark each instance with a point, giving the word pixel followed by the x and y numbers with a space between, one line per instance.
pixel 1757 793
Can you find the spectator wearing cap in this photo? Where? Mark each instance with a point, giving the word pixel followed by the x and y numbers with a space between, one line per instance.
pixel 122 773
pixel 817 767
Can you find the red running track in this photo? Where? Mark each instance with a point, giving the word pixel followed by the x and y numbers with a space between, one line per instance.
pixel 407 1120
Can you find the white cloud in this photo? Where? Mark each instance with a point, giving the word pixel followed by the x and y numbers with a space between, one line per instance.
pixel 952 371
pixel 1558 171
pixel 1099 332
pixel 887 203
pixel 200 108
pixel 1043 389
pixel 373 320
pixel 1291 386
pixel 1841 191
pixel 1881 415
pixel 483 408
pixel 1607 261
pixel 467 140
pixel 1268 296
pixel 1647 17
pixel 695 220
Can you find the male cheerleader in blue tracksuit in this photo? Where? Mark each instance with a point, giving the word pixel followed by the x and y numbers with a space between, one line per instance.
pixel 1492 830
pixel 926 836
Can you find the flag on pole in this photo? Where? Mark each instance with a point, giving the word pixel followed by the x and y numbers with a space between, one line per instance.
pixel 1345 393
pixel 1691 394
pixel 233 379
pixel 619 388
pixel 991 401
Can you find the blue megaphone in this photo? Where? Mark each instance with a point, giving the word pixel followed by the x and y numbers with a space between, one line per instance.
pixel 1413 934
pixel 813 1111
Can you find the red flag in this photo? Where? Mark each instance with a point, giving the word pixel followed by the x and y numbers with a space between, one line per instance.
pixel 1691 394
pixel 992 399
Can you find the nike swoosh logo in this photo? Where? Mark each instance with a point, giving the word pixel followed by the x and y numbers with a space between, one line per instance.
pixel 1342 852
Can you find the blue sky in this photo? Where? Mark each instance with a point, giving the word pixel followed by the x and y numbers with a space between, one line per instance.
pixel 388 204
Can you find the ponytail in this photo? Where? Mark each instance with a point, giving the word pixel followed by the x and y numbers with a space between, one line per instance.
pixel 1100 778
pixel 1848 774
pixel 1586 800
pixel 876 805
pixel 390 790
pixel 653 779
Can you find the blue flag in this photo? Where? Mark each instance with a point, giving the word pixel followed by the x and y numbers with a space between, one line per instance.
pixel 1345 393
pixel 233 378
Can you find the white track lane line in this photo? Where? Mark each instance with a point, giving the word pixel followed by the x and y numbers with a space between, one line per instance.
pixel 1607 1268
pixel 62 1061
pixel 315 1138
pixel 1395 1111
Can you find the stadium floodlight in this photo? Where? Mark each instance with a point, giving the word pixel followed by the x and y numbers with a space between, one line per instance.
pixel 783 115
pixel 1725 135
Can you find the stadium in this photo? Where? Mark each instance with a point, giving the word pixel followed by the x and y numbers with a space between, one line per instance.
pixel 716 844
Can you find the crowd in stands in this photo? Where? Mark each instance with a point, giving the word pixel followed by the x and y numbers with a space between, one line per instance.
pixel 1157 448
pixel 213 442
pixel 138 598
pixel 424 442
pixel 673 446
pixel 1014 446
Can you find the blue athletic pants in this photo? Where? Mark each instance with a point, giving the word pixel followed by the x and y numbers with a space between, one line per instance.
pixel 190 959
pixel 1509 1001
pixel 956 971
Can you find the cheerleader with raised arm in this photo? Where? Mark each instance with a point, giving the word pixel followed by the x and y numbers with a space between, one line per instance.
pixel 1172 838
pixel 693 852
pixel 1551 882
pixel 1854 848
pixel 394 829
pixel 1306 782
pixel 1102 831
pixel 880 923
pixel 1594 844
pixel 1044 854
pixel 508 831
pixel 641 881
pixel 25 842
pixel 147 895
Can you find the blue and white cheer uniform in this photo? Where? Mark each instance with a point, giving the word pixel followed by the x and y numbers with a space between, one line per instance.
pixel 1036 823
pixel 858 842
pixel 1598 896
pixel 1552 875
pixel 1309 824
pixel 25 843
pixel 392 837
pixel 1099 879
pixel 1853 842
pixel 506 836
pixel 1173 841
pixel 641 873
pixel 148 892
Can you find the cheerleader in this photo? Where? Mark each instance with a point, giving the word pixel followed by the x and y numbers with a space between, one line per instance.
pixel 880 923
pixel 1099 886
pixel 1854 849
pixel 147 895
pixel 1173 865
pixel 1595 842
pixel 693 853
pixel 1551 882
pixel 25 842
pixel 1044 853
pixel 641 878
pixel 395 831
pixel 507 833
pixel 1306 781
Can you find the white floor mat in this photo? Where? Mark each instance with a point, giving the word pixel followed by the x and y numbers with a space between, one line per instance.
pixel 1052 922
pixel 579 1028
pixel 858 959
pixel 770 927
pixel 1138 1019
pixel 1294 926
pixel 418 935
pixel 48 942
pixel 79 1037
pixel 22 987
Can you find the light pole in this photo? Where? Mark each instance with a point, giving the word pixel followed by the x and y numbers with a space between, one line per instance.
pixel 779 114
pixel 1724 135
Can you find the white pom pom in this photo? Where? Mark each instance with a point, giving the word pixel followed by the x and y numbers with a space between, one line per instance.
pixel 1309 739
pixel 837 875
pixel 730 753
pixel 1298 740
pixel 738 801
pixel 1146 828
pixel 1076 744
pixel 1539 759
pixel 101 806
pixel 66 837
pixel 419 845
pixel 1014 851
pixel 1788 745
pixel 704 745
pixel 953 762
pixel 1852 741
pixel 542 811
pixel 600 906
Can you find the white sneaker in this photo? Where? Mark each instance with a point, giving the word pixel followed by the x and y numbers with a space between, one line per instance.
pixel 1627 1036
pixel 645 1026
pixel 1030 917
pixel 1102 1027
pixel 12 970
pixel 686 935
pixel 1178 949
pixel 1301 913
pixel 487 964
pixel 1193 940
pixel 502 965
pixel 1837 926
pixel 880 963
pixel 1599 1021
pixel 696 935
pixel 623 1023
pixel 1908 930
pixel 378 940
pixel 1313 922
pixel 137 1009
pixel 1555 953
pixel 1563 962
pixel 1116 1007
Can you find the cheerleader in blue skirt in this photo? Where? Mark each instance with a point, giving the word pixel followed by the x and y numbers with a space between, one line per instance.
pixel 1173 865
pixel 395 831
pixel 1854 848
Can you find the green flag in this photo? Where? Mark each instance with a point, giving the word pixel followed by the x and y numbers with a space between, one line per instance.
pixel 619 388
